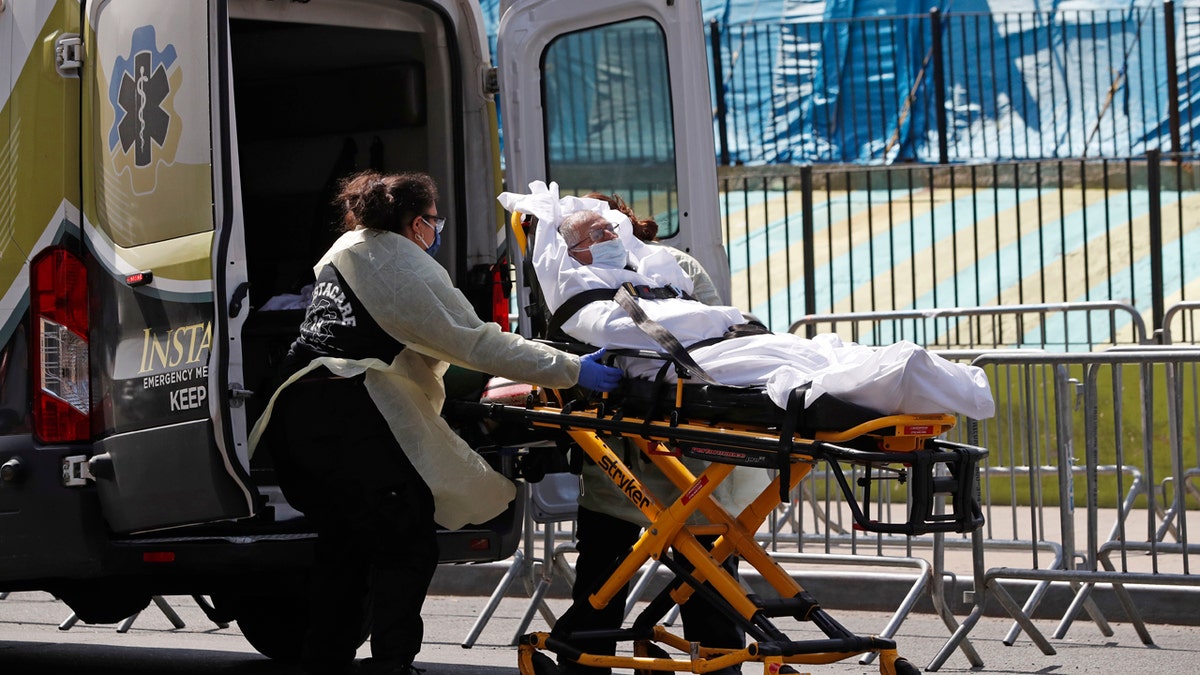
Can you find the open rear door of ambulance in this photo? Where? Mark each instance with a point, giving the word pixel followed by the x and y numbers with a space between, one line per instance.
pixel 614 97
pixel 164 273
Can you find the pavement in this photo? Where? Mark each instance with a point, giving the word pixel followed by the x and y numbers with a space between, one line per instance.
pixel 865 592
pixel 30 642
pixel 850 570
pixel 867 587
pixel 863 582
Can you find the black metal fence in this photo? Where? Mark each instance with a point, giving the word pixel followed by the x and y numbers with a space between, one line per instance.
pixel 958 87
pixel 822 239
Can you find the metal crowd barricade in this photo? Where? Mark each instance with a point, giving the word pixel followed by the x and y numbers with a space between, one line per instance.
pixel 1023 443
pixel 1180 326
pixel 1180 323
pixel 548 515
pixel 1031 443
pixel 1060 326
pixel 1025 436
pixel 1104 419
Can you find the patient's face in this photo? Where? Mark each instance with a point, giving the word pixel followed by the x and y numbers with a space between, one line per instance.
pixel 585 231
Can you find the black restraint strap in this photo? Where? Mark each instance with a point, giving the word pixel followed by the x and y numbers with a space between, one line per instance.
pixel 580 300
pixel 791 421
pixel 571 306
pixel 657 293
pixel 625 298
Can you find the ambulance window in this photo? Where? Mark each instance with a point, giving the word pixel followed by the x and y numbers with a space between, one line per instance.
pixel 609 124
pixel 149 122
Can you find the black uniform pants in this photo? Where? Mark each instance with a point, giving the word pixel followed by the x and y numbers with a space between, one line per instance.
pixel 376 552
pixel 602 541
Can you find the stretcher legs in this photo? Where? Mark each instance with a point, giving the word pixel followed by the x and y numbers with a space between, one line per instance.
pixel 670 529
pixel 903 449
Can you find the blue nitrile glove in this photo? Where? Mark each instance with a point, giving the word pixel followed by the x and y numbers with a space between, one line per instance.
pixel 597 376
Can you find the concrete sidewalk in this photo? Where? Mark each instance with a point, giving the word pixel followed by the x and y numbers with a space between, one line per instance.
pixel 874 589
pixel 843 570
pixel 920 638
pixel 30 642
pixel 865 600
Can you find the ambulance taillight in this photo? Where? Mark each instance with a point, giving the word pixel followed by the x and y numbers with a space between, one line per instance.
pixel 500 304
pixel 59 313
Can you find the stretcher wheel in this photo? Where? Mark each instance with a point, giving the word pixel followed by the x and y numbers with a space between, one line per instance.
pixel 899 666
pixel 532 662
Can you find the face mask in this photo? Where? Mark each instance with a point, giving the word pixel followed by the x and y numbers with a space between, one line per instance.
pixel 609 254
pixel 432 249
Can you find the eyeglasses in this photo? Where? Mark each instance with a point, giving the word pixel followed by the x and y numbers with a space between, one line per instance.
pixel 594 235
pixel 436 222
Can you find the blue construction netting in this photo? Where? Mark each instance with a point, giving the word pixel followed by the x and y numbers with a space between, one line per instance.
pixel 854 80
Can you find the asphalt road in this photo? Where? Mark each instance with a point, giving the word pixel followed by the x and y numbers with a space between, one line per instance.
pixel 31 642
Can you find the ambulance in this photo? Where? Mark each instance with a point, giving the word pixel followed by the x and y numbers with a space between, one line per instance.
pixel 167 173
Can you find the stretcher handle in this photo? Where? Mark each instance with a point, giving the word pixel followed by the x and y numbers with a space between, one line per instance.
pixel 519 231
pixel 938 425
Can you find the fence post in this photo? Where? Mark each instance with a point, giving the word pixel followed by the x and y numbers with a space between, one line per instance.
pixel 810 264
pixel 1172 75
pixel 1154 187
pixel 714 35
pixel 939 86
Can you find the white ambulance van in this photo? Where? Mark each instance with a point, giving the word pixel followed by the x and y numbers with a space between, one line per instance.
pixel 167 170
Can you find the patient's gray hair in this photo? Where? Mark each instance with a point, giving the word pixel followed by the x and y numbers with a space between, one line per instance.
pixel 575 226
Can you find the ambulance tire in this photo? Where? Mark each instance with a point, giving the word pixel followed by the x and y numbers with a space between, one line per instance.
pixel 103 605
pixel 274 625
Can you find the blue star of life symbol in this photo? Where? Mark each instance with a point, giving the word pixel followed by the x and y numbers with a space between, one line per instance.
pixel 137 89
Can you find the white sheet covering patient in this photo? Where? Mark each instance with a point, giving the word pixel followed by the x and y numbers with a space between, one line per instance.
pixel 899 378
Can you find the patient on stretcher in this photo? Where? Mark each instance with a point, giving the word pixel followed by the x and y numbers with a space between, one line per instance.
pixel 581 246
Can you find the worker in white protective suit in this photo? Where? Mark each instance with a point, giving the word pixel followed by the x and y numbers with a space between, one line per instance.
pixel 899 378
pixel 355 430
pixel 607 524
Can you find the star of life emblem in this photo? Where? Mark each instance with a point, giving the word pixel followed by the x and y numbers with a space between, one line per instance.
pixel 140 91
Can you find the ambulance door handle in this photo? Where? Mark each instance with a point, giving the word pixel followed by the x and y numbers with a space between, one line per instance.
pixel 238 395
pixel 239 296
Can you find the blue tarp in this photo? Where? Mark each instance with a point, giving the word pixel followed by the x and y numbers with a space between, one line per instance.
pixel 852 80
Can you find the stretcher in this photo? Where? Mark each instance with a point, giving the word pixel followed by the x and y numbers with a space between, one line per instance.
pixel 730 427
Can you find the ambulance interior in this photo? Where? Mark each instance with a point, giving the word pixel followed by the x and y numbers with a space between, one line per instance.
pixel 315 103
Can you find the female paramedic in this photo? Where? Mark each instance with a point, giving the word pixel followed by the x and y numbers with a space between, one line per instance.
pixel 357 439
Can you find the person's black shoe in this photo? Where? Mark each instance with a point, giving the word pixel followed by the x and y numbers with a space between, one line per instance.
pixel 373 666
pixel 349 668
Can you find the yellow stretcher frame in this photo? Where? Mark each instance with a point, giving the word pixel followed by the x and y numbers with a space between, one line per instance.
pixel 902 439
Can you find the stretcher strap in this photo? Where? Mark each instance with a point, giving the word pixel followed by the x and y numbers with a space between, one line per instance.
pixel 576 302
pixel 572 305
pixel 795 409
pixel 625 298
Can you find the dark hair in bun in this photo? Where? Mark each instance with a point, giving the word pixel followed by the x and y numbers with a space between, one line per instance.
pixel 385 201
